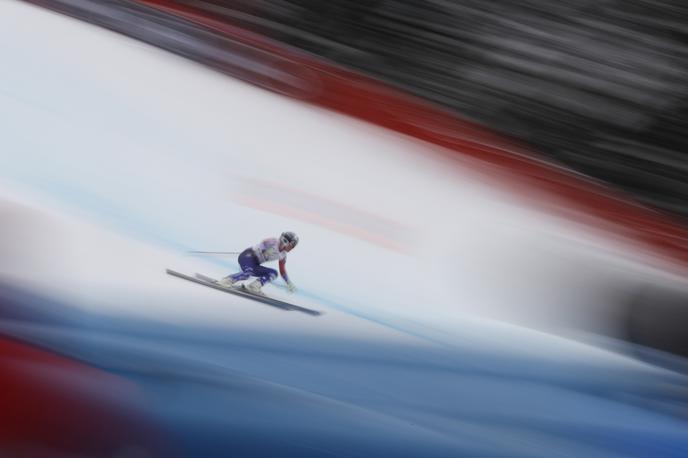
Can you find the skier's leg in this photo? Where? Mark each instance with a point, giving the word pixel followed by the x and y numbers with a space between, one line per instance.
pixel 248 262
pixel 265 275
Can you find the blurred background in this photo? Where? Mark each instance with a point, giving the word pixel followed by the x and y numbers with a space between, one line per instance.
pixel 490 198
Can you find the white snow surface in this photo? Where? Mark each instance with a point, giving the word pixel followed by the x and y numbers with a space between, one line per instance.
pixel 117 158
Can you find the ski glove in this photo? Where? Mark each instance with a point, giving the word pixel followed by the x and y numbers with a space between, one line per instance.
pixel 291 287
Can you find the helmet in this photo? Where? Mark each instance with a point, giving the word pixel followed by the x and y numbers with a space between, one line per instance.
pixel 289 237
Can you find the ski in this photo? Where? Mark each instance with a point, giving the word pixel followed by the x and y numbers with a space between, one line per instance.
pixel 241 291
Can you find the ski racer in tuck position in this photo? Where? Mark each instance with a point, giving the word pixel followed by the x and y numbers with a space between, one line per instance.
pixel 250 260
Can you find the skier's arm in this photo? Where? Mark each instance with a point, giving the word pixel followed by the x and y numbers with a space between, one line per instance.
pixel 283 273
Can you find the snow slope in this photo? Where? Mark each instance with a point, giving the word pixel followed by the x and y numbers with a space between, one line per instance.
pixel 180 157
pixel 118 158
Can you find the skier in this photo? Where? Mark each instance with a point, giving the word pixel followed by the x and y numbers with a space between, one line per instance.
pixel 250 260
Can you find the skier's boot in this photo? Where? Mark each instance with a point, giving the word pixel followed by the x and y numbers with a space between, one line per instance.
pixel 254 287
pixel 227 281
